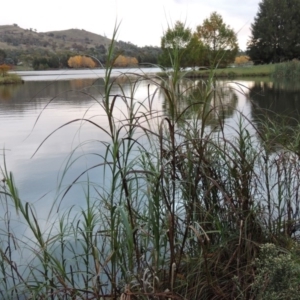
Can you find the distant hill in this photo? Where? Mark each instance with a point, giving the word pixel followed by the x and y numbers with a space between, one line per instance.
pixel 26 44
pixel 15 37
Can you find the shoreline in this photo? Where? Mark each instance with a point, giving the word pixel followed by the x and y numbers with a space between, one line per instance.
pixel 11 79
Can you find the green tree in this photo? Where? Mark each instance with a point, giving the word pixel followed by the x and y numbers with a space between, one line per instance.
pixel 275 32
pixel 174 46
pixel 219 39
pixel 196 53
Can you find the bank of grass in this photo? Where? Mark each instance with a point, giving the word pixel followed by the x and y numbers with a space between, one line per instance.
pixel 237 71
pixel 280 70
pixel 10 79
pixel 194 210
pixel 290 70
pixel 246 71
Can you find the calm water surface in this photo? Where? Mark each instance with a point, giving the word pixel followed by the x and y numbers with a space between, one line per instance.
pixel 32 111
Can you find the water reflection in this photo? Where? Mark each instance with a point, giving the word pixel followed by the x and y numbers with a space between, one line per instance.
pixel 63 101
pixel 197 100
pixel 276 108
pixel 280 97
pixel 7 91
pixel 22 106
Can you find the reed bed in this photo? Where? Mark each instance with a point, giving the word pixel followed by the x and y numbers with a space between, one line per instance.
pixel 290 70
pixel 187 211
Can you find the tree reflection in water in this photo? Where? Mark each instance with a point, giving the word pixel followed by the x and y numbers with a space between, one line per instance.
pixel 198 101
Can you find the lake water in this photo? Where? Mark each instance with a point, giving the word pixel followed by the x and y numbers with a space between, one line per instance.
pixel 45 161
pixel 49 99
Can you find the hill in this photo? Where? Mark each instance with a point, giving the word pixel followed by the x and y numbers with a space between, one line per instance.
pixel 24 45
pixel 15 37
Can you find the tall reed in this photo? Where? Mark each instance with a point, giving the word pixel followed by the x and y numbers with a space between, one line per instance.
pixel 185 206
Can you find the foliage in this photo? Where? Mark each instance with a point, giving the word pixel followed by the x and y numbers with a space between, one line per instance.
pixel 4 69
pixel 125 61
pixel 278 275
pixel 213 44
pixel 45 62
pixel 79 61
pixel 11 79
pixel 275 32
pixel 183 208
pixel 145 55
pixel 287 70
pixel 241 60
pixel 24 46
pixel 220 40
pixel 174 45
pixel 196 53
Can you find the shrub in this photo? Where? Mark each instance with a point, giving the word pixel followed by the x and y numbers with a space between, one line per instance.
pixel 4 69
pixel 277 275
pixel 288 69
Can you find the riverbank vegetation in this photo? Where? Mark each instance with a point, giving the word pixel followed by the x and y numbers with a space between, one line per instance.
pixel 233 72
pixel 190 207
pixel 288 70
pixel 8 78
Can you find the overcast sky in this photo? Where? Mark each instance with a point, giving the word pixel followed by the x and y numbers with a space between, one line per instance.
pixel 142 21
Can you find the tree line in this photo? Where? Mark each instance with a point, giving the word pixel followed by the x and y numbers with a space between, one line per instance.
pixel 275 37
pixel 212 44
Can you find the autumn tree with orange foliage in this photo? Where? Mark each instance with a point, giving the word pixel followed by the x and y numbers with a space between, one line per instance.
pixel 4 69
pixel 242 60
pixel 125 61
pixel 79 61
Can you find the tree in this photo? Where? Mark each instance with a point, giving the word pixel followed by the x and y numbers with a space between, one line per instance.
pixel 79 61
pixel 275 32
pixel 196 53
pixel 174 45
pixel 219 39
pixel 125 61
pixel 4 69
pixel 242 60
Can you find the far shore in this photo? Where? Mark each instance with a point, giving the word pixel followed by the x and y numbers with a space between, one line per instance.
pixel 233 72
pixel 251 71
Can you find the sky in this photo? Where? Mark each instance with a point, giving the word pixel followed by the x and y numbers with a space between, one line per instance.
pixel 142 22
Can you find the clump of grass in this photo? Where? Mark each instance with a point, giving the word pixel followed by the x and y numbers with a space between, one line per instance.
pixel 11 79
pixel 289 69
pixel 187 202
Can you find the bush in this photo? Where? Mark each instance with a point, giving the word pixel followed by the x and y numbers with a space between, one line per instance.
pixel 4 69
pixel 288 69
pixel 277 275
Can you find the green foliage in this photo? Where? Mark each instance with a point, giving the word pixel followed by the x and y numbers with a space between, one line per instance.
pixel 277 275
pixel 275 32
pixel 196 53
pixel 10 79
pixel 213 44
pixel 220 40
pixel 44 63
pixel 182 209
pixel 287 70
pixel 174 45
